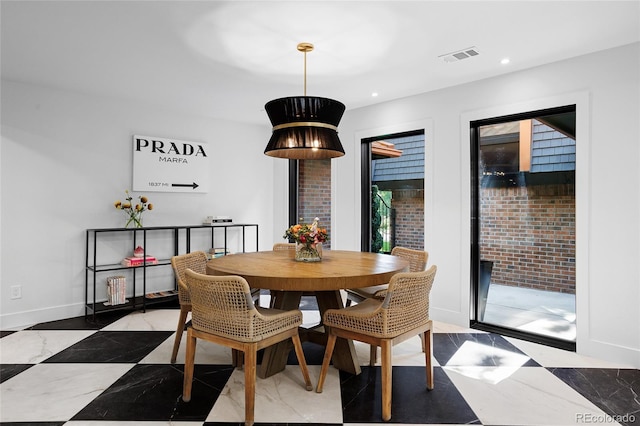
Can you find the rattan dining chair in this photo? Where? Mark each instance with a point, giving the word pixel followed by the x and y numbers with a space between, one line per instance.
pixel 284 246
pixel 197 262
pixel 402 314
pixel 223 312
pixel 417 262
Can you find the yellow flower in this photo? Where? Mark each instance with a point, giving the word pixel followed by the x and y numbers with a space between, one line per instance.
pixel 133 211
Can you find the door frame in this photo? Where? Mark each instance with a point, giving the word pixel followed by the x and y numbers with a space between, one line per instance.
pixel 475 323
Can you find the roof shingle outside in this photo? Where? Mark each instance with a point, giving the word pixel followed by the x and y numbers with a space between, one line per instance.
pixel 410 165
pixel 551 151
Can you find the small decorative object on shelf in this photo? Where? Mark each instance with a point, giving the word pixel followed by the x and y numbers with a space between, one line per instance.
pixel 139 261
pixel 308 239
pixel 138 252
pixel 133 212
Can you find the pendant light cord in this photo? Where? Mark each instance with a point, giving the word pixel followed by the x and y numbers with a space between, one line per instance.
pixel 305 73
pixel 304 48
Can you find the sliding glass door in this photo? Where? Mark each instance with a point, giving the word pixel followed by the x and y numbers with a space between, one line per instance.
pixel 523 258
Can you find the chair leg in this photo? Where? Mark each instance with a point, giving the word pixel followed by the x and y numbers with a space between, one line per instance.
pixel 373 355
pixel 250 361
pixel 428 348
pixel 297 344
pixel 182 320
pixel 331 343
pixel 188 366
pixel 386 379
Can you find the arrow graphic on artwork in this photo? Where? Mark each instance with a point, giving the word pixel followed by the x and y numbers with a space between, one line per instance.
pixel 192 185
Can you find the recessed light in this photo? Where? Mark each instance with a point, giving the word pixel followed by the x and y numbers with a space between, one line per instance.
pixel 505 61
pixel 374 94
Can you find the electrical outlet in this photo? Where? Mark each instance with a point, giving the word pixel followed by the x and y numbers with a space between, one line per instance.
pixel 16 291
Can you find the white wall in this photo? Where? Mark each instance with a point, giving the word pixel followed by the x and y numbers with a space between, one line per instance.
pixel 66 157
pixel 606 88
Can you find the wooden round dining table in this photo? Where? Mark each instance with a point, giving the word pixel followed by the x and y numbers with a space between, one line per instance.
pixel 288 279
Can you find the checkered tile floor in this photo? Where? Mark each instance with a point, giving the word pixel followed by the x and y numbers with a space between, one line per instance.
pixel 118 372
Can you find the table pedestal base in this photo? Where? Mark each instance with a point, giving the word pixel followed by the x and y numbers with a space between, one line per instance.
pixel 275 357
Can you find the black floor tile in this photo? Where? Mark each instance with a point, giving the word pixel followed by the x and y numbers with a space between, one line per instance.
pixel 150 392
pixel 313 354
pixel 7 371
pixel 82 323
pixel 112 346
pixel 445 346
pixel 411 401
pixel 614 391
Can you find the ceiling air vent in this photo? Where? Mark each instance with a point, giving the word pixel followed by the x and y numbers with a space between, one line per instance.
pixel 460 54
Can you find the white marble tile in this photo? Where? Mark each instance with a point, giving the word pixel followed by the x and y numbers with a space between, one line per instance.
pixel 206 352
pixel 34 346
pixel 282 398
pixel 310 318
pixel 523 396
pixel 55 392
pixel 553 357
pixel 407 353
pixel 130 423
pixel 475 353
pixel 152 320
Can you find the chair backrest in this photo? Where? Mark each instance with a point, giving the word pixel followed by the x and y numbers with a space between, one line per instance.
pixel 196 261
pixel 222 305
pixel 406 304
pixel 417 258
pixel 284 246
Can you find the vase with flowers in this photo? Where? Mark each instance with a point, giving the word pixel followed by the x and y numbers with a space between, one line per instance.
pixel 133 211
pixel 308 239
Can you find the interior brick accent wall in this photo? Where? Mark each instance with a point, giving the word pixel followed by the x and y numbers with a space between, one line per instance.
pixel 529 234
pixel 409 205
pixel 314 193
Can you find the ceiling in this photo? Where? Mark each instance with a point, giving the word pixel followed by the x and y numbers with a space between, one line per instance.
pixel 226 59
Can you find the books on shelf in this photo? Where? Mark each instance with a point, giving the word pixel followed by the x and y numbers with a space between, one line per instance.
pixel 217 252
pixel 159 294
pixel 137 261
pixel 116 291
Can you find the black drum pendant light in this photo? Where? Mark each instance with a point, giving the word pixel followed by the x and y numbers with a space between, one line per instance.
pixel 304 127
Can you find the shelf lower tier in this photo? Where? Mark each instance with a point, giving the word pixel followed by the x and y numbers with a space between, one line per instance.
pixel 133 303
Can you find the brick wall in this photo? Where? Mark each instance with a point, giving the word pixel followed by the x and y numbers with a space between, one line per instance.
pixel 314 193
pixel 529 234
pixel 409 205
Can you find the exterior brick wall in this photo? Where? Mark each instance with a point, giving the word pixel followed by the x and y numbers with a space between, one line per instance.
pixel 529 234
pixel 409 205
pixel 314 193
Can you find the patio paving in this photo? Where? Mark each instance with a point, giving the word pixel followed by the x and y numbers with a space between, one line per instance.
pixel 536 311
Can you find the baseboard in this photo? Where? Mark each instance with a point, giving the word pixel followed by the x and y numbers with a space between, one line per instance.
pixel 24 319
pixel 622 355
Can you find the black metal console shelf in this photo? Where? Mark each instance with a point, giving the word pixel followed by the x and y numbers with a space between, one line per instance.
pixel 138 236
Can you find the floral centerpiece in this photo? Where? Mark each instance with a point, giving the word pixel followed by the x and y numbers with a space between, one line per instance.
pixel 308 239
pixel 133 212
